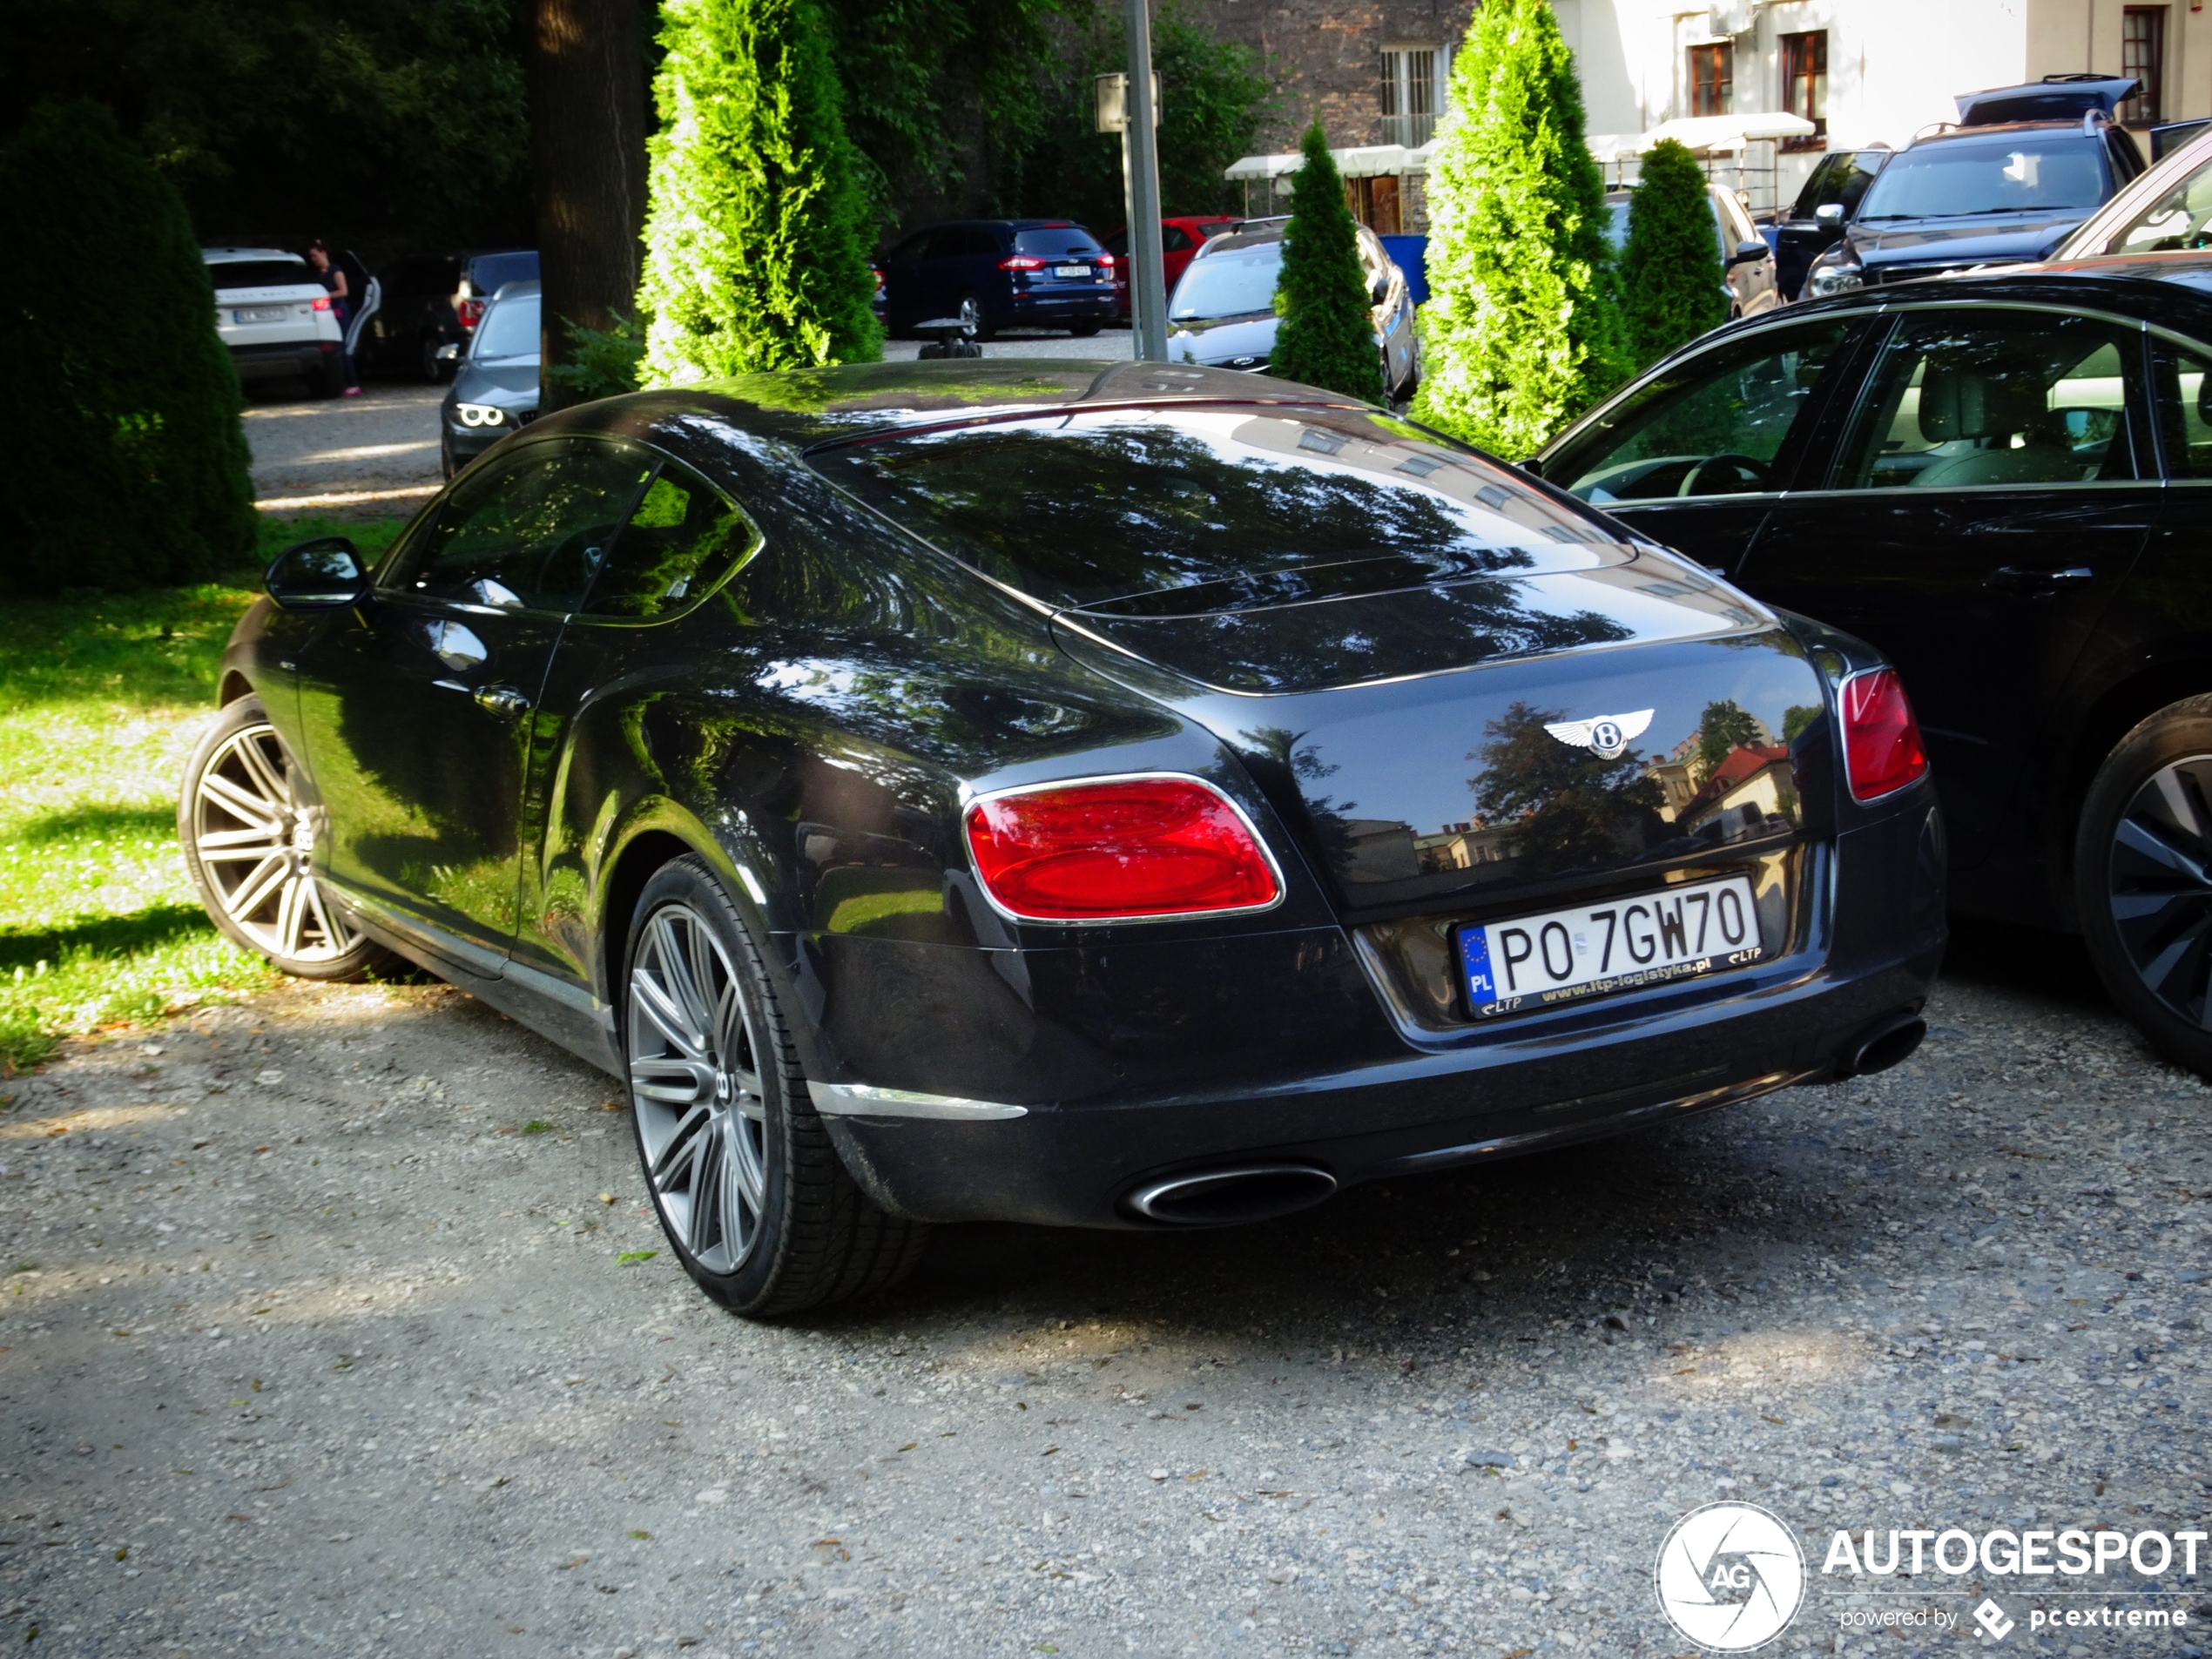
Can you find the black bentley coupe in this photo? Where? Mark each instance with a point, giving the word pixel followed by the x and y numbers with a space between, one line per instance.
pixel 1117 796
pixel 1993 478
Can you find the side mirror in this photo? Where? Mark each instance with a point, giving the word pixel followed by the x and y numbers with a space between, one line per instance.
pixel 1829 216
pixel 1747 251
pixel 1379 291
pixel 326 574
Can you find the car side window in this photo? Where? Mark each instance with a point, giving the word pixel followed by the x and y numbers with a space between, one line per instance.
pixel 2180 219
pixel 1713 425
pixel 1962 399
pixel 1174 238
pixel 683 537
pixel 528 535
pixel 2185 411
pixel 979 240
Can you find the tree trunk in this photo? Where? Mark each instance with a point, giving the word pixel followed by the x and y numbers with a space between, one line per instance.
pixel 587 91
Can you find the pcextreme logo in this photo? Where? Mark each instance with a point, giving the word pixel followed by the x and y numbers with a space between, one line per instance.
pixel 1730 1577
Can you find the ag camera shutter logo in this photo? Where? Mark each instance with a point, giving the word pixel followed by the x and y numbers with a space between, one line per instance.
pixel 1730 1577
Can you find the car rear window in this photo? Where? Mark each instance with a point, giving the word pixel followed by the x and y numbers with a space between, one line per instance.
pixel 1068 239
pixel 2023 170
pixel 260 274
pixel 487 271
pixel 1139 508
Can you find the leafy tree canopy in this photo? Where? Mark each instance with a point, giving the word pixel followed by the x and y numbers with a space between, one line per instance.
pixel 1670 271
pixel 1327 336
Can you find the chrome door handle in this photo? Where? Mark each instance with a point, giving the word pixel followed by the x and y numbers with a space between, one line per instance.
pixel 503 700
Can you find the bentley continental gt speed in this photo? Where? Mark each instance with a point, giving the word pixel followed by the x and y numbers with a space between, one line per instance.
pixel 1106 796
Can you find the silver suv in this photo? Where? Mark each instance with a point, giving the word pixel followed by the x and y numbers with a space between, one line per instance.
pixel 275 316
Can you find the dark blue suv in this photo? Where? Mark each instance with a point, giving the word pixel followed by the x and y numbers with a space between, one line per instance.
pixel 995 274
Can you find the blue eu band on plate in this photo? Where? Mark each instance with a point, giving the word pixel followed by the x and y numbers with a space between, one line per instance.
pixel 1678 932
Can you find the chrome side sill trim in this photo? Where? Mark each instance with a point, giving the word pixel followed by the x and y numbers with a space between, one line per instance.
pixel 864 1100
pixel 566 993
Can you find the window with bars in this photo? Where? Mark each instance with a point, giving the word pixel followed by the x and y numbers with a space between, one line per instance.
pixel 1805 86
pixel 1413 94
pixel 1712 79
pixel 2143 54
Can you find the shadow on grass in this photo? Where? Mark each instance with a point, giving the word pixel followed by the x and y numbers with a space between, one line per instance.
pixel 107 936
pixel 104 823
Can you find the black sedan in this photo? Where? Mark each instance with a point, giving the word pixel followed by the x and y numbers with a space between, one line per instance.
pixel 1109 796
pixel 1994 481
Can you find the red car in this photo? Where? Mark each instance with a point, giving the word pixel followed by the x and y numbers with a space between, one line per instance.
pixel 1179 239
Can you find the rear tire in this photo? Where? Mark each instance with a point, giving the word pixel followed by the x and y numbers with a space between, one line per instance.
pixel 976 319
pixel 249 845
pixel 1084 330
pixel 2142 878
pixel 750 1192
pixel 433 370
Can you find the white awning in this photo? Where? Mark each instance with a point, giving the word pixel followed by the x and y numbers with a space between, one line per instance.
pixel 1617 146
pixel 1363 161
pixel 1727 133
pixel 1262 166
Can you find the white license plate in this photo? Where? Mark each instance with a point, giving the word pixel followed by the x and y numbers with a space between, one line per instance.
pixel 1645 939
pixel 261 314
pixel 1071 270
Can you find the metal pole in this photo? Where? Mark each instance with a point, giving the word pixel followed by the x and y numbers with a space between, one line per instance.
pixel 1129 256
pixel 1146 283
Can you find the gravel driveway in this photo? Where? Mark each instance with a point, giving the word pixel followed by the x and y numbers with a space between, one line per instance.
pixel 374 456
pixel 338 1325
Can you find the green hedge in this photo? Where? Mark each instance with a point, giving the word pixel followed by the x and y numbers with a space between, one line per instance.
pixel 1327 334
pixel 1670 271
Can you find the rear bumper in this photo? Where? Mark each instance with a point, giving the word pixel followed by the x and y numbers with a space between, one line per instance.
pixel 1047 306
pixel 268 363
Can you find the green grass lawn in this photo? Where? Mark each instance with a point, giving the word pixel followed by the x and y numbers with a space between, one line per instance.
pixel 102 695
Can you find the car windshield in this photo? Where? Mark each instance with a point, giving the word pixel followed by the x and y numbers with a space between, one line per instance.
pixel 510 329
pixel 1060 239
pixel 2026 170
pixel 2179 218
pixel 261 273
pixel 1098 508
pixel 1228 285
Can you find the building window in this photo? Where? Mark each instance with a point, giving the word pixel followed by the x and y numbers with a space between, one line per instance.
pixel 2143 54
pixel 1712 79
pixel 1805 86
pixel 1413 94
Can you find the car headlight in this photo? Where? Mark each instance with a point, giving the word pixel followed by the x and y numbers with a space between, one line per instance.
pixel 1834 272
pixel 480 413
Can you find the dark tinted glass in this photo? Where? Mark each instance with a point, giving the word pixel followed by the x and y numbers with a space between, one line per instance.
pixel 416 279
pixel 1098 507
pixel 912 247
pixel 681 537
pixel 487 271
pixel 949 243
pixel 261 273
pixel 510 329
pixel 1117 243
pixel 1979 398
pixel 1047 243
pixel 2185 410
pixel 1174 238
pixel 530 536
pixel 2024 170
pixel 975 240
pixel 1842 178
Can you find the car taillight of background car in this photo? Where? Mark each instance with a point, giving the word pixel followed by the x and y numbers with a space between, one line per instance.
pixel 471 312
pixel 1122 849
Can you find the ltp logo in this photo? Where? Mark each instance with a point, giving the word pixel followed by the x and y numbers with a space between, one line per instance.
pixel 1993 1621
pixel 1730 1577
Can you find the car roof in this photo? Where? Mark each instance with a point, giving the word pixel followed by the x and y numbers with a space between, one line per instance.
pixel 238 255
pixel 1998 133
pixel 2175 291
pixel 521 288
pixel 808 406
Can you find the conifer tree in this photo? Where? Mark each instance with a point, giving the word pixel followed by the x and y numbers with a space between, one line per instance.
pixel 1670 271
pixel 1522 330
pixel 757 222
pixel 1326 337
pixel 126 465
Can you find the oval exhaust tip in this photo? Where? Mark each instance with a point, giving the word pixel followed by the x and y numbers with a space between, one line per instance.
pixel 1225 1198
pixel 1890 1046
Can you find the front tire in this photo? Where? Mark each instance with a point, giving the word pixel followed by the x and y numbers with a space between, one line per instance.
pixel 2144 880
pixel 249 847
pixel 975 321
pixel 1085 329
pixel 749 1189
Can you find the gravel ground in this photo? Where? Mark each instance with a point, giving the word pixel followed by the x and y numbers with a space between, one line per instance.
pixel 331 1330
pixel 374 456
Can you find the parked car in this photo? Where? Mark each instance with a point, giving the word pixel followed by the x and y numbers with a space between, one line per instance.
pixel 432 304
pixel 274 312
pixel 1222 312
pixel 2023 167
pixel 1065 814
pixel 1823 211
pixel 1747 262
pixel 1180 238
pixel 494 391
pixel 998 274
pixel 1995 480
pixel 2166 211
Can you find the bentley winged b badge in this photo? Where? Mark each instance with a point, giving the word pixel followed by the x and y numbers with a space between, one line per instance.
pixel 1605 736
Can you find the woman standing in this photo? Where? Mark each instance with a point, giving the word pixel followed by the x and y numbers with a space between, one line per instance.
pixel 332 277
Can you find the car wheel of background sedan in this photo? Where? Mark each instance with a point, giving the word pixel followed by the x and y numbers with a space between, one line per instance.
pixel 749 1191
pixel 972 319
pixel 249 846
pixel 433 370
pixel 2144 880
pixel 1085 329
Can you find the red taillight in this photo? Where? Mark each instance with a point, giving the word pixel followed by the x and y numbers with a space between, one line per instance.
pixel 323 304
pixel 1120 850
pixel 1882 747
pixel 471 313
pixel 879 277
pixel 1021 262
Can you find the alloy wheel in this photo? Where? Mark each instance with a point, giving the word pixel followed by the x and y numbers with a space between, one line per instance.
pixel 971 316
pixel 696 1089
pixel 2160 885
pixel 256 844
